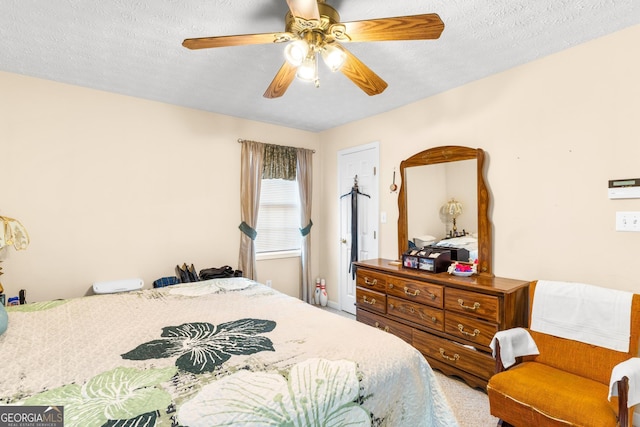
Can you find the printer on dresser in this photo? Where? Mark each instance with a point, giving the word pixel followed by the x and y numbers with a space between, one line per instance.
pixel 450 319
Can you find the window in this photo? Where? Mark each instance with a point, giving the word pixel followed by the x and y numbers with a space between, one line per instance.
pixel 279 217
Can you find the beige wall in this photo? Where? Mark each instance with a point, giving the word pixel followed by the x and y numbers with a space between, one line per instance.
pixel 112 187
pixel 555 131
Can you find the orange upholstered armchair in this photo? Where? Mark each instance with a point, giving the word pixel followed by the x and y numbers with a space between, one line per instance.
pixel 556 381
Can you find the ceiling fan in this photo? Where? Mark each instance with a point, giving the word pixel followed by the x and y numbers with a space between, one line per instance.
pixel 313 29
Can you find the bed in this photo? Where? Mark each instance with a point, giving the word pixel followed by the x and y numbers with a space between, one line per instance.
pixel 216 352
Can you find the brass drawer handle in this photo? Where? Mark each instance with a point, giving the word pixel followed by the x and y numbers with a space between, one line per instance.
pixel 392 307
pixel 476 305
pixel 413 294
pixel 372 301
pixel 386 328
pixel 417 292
pixel 390 285
pixel 475 333
pixel 367 282
pixel 455 357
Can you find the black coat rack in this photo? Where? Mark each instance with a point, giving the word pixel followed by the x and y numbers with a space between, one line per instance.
pixel 354 193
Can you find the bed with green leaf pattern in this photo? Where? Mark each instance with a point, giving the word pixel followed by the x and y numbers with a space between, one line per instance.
pixel 220 352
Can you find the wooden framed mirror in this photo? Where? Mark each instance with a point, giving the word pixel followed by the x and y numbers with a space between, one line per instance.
pixel 425 187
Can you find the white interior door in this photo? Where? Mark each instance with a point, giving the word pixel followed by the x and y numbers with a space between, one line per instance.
pixel 361 162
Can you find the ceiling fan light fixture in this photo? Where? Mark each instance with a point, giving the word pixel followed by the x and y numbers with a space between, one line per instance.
pixel 333 56
pixel 313 28
pixel 308 70
pixel 296 52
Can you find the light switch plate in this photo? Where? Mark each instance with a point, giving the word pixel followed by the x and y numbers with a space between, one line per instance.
pixel 627 221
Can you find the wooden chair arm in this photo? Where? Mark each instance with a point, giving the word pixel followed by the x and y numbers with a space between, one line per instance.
pixel 622 376
pixel 624 418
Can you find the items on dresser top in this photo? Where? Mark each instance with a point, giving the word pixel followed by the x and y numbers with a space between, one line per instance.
pixel 450 319
pixel 436 257
pixel 429 258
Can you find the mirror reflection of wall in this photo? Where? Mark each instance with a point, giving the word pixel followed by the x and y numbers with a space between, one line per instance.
pixel 426 189
pixel 431 186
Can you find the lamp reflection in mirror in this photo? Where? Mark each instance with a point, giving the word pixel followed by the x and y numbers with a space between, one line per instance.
pixel 449 212
pixel 13 234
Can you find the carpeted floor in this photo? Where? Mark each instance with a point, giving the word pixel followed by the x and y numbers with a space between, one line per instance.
pixel 470 406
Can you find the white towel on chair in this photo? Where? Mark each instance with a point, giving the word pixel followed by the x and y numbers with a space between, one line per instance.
pixel 630 369
pixel 585 313
pixel 514 343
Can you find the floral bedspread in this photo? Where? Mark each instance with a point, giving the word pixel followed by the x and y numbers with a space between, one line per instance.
pixel 213 353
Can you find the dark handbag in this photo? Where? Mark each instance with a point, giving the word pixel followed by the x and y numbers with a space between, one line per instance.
pixel 219 272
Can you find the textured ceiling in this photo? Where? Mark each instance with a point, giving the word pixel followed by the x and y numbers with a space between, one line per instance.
pixel 134 48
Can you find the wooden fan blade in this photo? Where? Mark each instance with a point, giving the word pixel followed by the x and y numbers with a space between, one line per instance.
pixel 416 27
pixel 281 81
pixel 224 41
pixel 362 75
pixel 307 9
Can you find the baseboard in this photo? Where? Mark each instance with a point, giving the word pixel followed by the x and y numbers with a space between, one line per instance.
pixel 330 304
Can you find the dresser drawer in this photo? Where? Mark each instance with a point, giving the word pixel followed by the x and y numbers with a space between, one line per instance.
pixel 453 354
pixel 384 324
pixel 477 331
pixel 371 280
pixel 420 292
pixel 371 300
pixel 418 313
pixel 473 303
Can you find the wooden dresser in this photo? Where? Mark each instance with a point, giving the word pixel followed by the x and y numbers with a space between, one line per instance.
pixel 450 319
